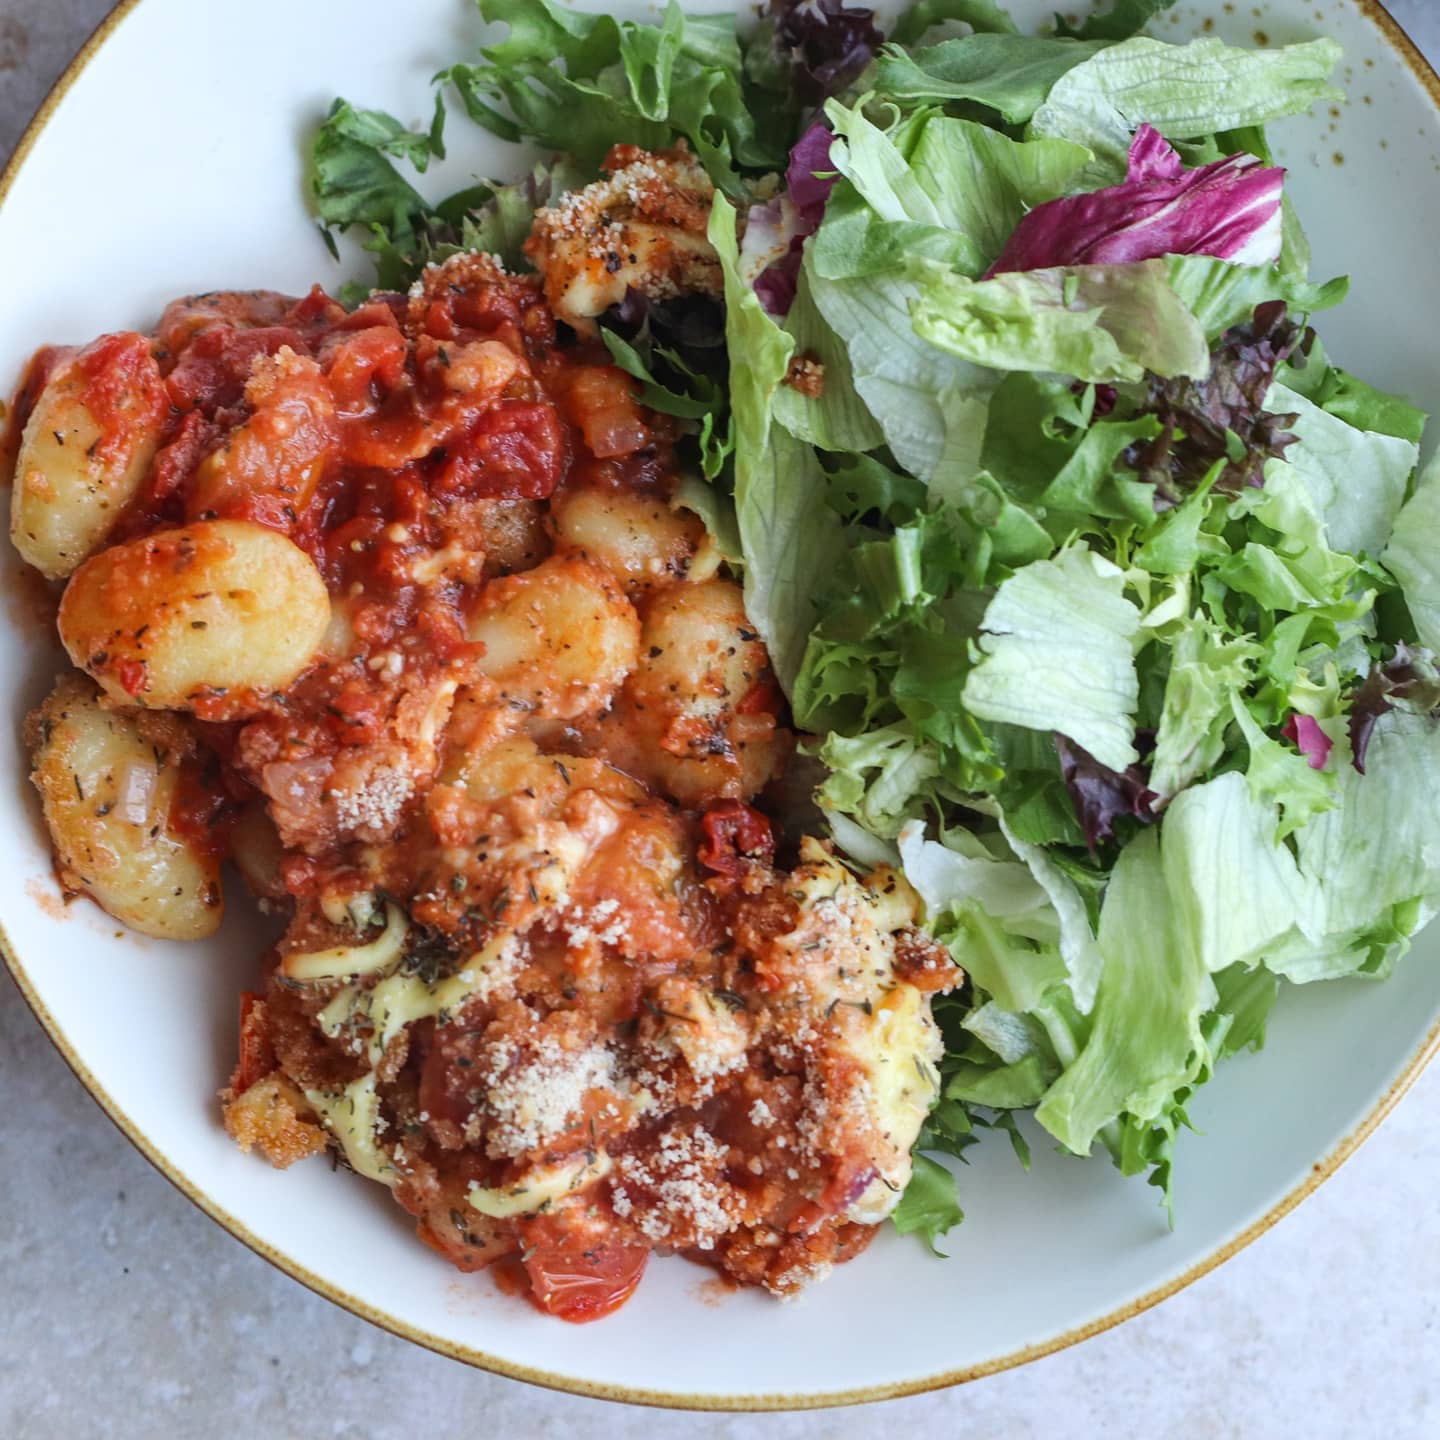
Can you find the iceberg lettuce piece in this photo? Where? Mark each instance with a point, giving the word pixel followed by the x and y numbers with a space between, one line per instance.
pixel 1184 91
pixel 1101 323
pixel 1057 655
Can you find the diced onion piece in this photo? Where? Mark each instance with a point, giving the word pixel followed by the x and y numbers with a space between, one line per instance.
pixel 136 798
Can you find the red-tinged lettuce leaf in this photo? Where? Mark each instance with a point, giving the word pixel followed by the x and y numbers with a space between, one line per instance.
pixel 1408 680
pixel 825 43
pixel 1229 209
pixel 1222 417
pixel 1103 796
pixel 1304 732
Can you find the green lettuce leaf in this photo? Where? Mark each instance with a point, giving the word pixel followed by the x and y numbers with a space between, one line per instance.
pixel 906 384
pixel 1358 478
pixel 1184 91
pixel 1144 1041
pixel 1077 944
pixel 1220 294
pixel 1103 323
pixel 1010 74
pixel 969 183
pixel 837 419
pixel 985 16
pixel 1234 890
pixel 1056 641
pixel 354 184
pixel 948 188
pixel 1122 20
pixel 1413 555
pixel 1366 408
pixel 1380 846
pixel 929 1206
pixel 716 511
pixel 789 535
pixel 621 82
pixel 945 876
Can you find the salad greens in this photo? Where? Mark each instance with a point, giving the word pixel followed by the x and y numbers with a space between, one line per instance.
pixel 1108 603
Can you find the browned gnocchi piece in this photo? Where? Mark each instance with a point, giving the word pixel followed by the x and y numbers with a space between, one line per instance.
pixel 216 607
pixel 107 792
pixel 559 639
pixel 85 451
pixel 698 714
pixel 638 538
pixel 701 658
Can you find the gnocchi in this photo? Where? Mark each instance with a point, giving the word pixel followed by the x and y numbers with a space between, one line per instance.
pixel 639 539
pixel 641 228
pixel 85 451
pixel 399 612
pixel 702 660
pixel 214 607
pixel 559 639
pixel 697 715
pixel 107 792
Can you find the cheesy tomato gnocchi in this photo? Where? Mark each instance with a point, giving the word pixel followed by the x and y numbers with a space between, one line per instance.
pixel 392 606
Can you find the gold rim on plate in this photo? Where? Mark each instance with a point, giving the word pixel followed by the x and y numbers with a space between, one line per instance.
pixel 1408 53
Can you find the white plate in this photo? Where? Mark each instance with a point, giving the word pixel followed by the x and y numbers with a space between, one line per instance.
pixel 173 164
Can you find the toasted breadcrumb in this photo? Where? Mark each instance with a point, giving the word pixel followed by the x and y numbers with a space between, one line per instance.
pixel 269 1117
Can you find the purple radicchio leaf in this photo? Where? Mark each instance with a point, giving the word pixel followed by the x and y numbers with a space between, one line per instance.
pixel 775 233
pixel 777 283
pixel 1102 796
pixel 770 252
pixel 826 42
pixel 1153 157
pixel 810 177
pixel 1304 732
pixel 1408 680
pixel 1229 209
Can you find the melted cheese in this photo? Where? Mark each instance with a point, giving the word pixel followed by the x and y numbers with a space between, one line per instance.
pixel 400 1000
pixel 898 1049
pixel 342 961
pixel 352 1116
pixel 847 931
pixel 541 1187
